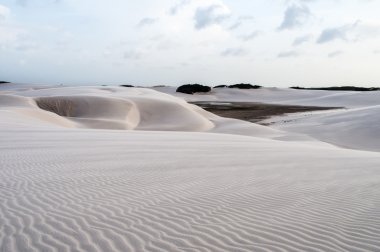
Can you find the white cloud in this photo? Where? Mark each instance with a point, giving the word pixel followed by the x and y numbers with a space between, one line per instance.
pixel 288 54
pixel 335 54
pixel 133 54
pixel 336 33
pixel 177 7
pixel 295 15
pixel 213 14
pixel 4 12
pixel 9 34
pixel 37 2
pixel 240 21
pixel 302 39
pixel 350 32
pixel 234 52
pixel 250 36
pixel 147 21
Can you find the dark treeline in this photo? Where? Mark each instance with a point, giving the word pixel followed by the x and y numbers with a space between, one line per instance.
pixel 198 88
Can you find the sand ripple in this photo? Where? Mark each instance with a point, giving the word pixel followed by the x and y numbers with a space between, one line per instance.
pixel 95 191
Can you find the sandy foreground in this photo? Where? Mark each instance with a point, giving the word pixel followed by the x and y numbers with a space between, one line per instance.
pixel 137 170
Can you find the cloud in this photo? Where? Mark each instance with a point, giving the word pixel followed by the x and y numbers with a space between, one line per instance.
pixel 240 22
pixel 246 18
pixel 288 54
pixel 250 36
pixel 366 31
pixel 22 2
pixel 4 12
pixel 206 16
pixel 9 34
pixel 147 21
pixel 331 34
pixel 350 32
pixel 238 51
pixel 335 54
pixel 135 55
pixel 177 7
pixel 26 48
pixel 295 16
pixel 303 39
pixel 27 2
pixel 235 26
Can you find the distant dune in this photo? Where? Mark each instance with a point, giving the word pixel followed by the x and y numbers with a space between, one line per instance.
pixel 352 127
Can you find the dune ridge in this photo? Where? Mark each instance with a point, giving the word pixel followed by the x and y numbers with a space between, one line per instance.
pixel 100 108
pixel 119 108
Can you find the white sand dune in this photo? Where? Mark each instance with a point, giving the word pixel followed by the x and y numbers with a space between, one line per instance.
pixel 352 128
pixel 77 183
pixel 120 108
pixel 357 126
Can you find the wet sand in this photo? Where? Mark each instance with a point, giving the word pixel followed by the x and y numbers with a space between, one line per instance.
pixel 253 111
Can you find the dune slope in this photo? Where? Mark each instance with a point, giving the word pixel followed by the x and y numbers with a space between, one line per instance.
pixel 117 108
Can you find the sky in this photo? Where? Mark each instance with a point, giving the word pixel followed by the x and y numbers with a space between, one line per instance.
pixel 171 42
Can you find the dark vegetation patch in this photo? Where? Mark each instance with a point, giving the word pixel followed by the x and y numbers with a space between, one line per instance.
pixel 343 88
pixel 254 112
pixel 197 88
pixel 193 88
pixel 240 86
pixel 160 86
pixel 4 82
pixel 245 86
pixel 57 105
pixel 126 86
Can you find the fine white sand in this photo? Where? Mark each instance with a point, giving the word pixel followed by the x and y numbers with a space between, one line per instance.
pixel 357 126
pixel 138 170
